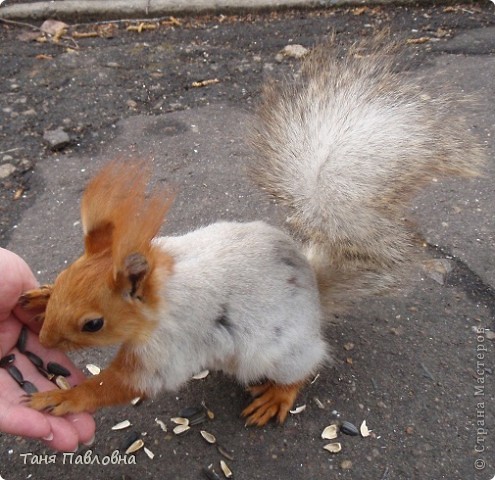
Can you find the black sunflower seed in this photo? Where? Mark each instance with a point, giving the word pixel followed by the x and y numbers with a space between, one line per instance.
pixel 16 374
pixel 349 429
pixel 7 360
pixel 29 387
pixel 35 360
pixel 195 415
pixel 57 369
pixel 21 341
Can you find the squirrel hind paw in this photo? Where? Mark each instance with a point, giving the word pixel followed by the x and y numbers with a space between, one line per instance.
pixel 272 401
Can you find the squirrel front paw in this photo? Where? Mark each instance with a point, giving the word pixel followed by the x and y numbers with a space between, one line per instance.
pixel 56 402
pixel 272 401
pixel 36 299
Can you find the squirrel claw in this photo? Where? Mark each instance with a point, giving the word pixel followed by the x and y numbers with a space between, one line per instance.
pixel 56 402
pixel 272 401
pixel 35 299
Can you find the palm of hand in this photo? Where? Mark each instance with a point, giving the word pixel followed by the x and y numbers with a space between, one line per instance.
pixel 60 433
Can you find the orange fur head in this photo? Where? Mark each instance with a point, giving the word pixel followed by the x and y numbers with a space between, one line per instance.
pixel 109 295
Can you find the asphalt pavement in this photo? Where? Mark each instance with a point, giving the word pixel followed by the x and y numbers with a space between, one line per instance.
pixel 408 364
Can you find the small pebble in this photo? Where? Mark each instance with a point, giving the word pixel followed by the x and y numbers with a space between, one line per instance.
pixel 346 465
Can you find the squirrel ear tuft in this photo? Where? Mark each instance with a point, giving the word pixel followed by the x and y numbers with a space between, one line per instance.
pixel 99 238
pixel 136 267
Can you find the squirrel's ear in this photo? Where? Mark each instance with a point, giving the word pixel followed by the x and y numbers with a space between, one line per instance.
pixel 132 278
pixel 99 238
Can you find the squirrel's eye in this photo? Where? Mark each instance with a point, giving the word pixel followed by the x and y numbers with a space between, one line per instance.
pixel 93 325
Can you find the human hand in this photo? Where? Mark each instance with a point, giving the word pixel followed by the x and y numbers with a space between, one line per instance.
pixel 59 433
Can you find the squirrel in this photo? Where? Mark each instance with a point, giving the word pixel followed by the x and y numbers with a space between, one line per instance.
pixel 344 145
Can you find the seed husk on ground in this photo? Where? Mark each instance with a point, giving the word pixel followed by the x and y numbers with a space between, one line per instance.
pixel 148 452
pixel 195 415
pixel 297 410
pixel 349 429
pixel 330 432
pixel 93 369
pixel 122 425
pixel 135 446
pixel 34 359
pixel 333 447
pixel 161 424
pixel 29 387
pixel 57 369
pixel 22 340
pixel 179 429
pixel 7 360
pixel 201 375
pixel 224 452
pixel 209 437
pixel 16 374
pixel 364 430
pixel 62 382
pixel 136 401
pixel 225 469
pixel 180 420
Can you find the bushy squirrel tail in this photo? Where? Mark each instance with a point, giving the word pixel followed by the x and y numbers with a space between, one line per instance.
pixel 345 145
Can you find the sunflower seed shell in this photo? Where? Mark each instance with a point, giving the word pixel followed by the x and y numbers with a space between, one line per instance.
pixel 134 447
pixel 179 429
pixel 224 452
pixel 93 369
pixel 226 470
pixel 180 420
pixel 209 437
pixel 122 425
pixel 297 410
pixel 333 447
pixel 201 375
pixel 364 430
pixel 161 424
pixel 62 382
pixel 330 432
pixel 148 452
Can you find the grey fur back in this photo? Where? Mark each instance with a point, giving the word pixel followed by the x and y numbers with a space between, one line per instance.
pixel 345 145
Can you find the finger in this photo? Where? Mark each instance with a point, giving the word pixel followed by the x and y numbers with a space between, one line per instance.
pixel 23 421
pixel 85 426
pixel 65 436
pixel 9 333
pixel 16 278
